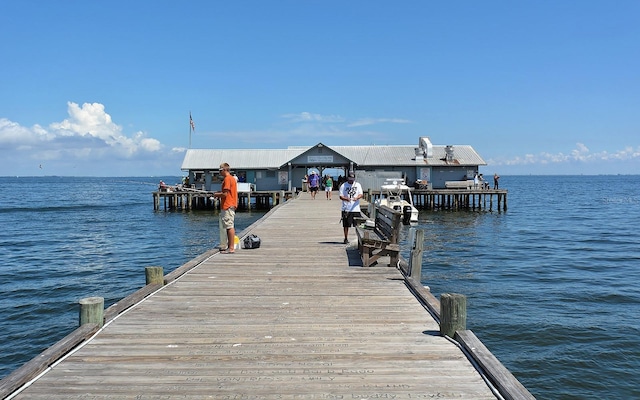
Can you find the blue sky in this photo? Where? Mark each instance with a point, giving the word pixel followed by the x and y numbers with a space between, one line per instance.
pixel 105 88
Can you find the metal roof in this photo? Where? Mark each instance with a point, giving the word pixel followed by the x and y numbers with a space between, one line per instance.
pixel 462 155
pixel 378 155
pixel 406 155
pixel 201 159
pixel 362 156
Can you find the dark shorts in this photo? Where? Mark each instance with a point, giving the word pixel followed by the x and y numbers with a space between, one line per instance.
pixel 349 218
pixel 313 188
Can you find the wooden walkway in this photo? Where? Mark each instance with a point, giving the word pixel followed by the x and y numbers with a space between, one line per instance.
pixel 297 318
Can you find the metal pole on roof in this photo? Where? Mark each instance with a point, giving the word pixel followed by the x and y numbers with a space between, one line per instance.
pixel 192 127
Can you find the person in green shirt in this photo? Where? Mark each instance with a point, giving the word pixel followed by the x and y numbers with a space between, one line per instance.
pixel 328 186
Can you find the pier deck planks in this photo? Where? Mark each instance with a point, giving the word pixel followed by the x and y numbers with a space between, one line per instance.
pixel 289 320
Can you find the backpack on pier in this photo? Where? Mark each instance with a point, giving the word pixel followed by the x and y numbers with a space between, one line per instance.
pixel 251 242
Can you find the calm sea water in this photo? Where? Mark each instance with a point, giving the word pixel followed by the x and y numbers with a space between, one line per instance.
pixel 553 284
pixel 64 239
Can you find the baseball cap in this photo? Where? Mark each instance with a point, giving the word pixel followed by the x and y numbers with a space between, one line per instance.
pixel 351 175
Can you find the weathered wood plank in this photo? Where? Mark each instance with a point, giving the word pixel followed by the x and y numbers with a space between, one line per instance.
pixel 134 298
pixel 34 367
pixel 509 386
pixel 289 320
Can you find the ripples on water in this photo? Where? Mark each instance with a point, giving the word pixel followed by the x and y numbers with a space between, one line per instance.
pixel 64 239
pixel 552 284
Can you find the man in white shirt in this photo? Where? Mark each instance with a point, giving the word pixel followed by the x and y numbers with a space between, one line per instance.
pixel 350 194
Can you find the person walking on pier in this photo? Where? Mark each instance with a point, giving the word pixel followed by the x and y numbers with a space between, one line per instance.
pixel 496 177
pixel 228 202
pixel 314 183
pixel 328 186
pixel 350 194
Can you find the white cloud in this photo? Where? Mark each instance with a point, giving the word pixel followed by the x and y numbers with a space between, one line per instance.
pixel 373 121
pixel 307 117
pixel 580 154
pixel 88 132
pixel 88 142
pixel 11 133
pixel 310 117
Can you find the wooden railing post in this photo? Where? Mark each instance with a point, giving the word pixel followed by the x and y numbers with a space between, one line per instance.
pixel 453 313
pixel 154 275
pixel 415 260
pixel 92 311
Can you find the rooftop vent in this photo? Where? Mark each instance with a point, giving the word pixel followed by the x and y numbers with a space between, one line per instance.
pixel 426 146
pixel 449 153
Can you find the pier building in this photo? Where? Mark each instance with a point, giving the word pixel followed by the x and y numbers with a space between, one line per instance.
pixel 442 175
pixel 285 169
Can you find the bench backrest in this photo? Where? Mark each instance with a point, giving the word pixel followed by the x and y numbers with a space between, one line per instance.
pixel 388 223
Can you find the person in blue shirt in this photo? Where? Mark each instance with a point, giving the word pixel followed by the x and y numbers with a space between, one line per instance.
pixel 314 183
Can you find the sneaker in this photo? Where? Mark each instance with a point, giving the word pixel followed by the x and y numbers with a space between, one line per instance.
pixel 346 241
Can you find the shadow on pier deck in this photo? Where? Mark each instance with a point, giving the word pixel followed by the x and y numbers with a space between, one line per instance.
pixel 296 318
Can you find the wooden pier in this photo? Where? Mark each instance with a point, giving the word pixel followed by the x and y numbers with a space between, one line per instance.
pixel 425 199
pixel 192 199
pixel 297 318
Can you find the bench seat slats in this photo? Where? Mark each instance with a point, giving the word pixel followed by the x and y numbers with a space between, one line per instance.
pixel 381 241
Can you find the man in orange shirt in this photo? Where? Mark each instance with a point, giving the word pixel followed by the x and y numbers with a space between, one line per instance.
pixel 228 203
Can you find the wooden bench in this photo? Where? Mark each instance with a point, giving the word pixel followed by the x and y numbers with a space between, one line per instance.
pixel 382 240
pixel 468 184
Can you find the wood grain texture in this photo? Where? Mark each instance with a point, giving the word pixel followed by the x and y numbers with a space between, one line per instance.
pixel 295 318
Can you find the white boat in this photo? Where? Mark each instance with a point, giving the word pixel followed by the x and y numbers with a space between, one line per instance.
pixel 393 195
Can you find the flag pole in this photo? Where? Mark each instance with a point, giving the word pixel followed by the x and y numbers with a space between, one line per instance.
pixel 190 128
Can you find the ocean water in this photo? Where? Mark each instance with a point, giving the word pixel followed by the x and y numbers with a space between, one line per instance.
pixel 553 284
pixel 63 239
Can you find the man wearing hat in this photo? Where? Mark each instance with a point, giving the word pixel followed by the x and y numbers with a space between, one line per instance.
pixel 228 203
pixel 314 183
pixel 350 194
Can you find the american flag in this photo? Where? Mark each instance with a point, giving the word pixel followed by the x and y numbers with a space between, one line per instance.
pixel 193 126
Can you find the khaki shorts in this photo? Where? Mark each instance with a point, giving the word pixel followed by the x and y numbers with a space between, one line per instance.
pixel 227 217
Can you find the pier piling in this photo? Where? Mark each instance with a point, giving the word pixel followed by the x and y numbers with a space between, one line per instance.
pixel 154 275
pixel 415 260
pixel 453 313
pixel 92 311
